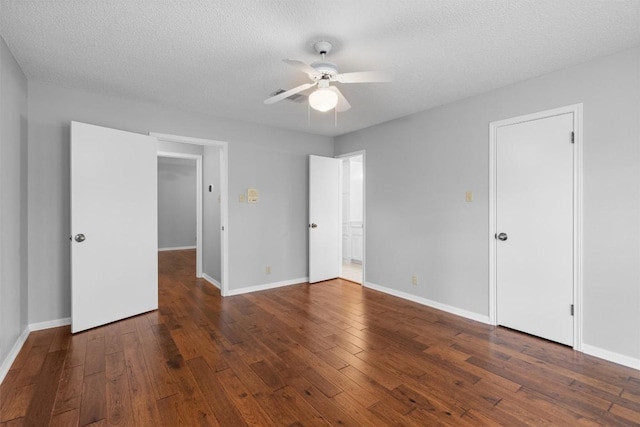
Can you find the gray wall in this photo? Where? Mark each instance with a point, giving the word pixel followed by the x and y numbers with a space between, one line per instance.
pixel 211 226
pixel 177 147
pixel 176 202
pixel 281 178
pixel 13 201
pixel 419 167
pixel 270 159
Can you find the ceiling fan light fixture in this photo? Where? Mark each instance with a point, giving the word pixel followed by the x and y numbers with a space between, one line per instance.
pixel 322 73
pixel 323 100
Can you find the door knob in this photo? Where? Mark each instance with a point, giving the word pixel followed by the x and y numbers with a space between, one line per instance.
pixel 80 238
pixel 313 225
pixel 502 236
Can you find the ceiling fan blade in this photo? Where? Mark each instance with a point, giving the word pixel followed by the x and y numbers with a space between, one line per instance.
pixel 288 93
pixel 307 69
pixel 343 104
pixel 365 77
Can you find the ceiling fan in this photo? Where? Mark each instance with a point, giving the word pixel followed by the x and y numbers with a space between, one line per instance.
pixel 322 73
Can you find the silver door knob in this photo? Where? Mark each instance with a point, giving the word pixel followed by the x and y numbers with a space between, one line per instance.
pixel 502 236
pixel 80 238
pixel 313 225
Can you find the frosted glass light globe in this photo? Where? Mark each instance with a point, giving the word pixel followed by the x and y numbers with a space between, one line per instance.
pixel 323 99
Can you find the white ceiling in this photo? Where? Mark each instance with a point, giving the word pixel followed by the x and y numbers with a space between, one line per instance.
pixel 223 57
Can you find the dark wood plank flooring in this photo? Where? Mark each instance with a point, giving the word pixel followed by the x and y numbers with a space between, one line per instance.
pixel 331 353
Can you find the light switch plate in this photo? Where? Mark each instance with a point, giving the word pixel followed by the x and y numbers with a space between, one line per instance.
pixel 252 195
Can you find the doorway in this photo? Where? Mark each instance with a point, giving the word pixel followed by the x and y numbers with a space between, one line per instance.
pixel 535 232
pixel 178 219
pixel 180 203
pixel 212 203
pixel 353 217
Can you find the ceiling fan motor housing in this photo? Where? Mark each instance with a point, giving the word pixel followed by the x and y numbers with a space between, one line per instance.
pixel 325 68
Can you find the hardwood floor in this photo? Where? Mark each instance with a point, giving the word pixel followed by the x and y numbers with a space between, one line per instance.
pixel 332 353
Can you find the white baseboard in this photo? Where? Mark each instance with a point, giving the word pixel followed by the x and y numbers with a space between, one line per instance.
pixel 49 324
pixel 610 356
pixel 620 359
pixel 211 280
pixel 434 304
pixel 267 286
pixel 177 248
pixel 11 357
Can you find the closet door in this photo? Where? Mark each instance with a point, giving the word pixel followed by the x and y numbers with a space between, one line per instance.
pixel 325 223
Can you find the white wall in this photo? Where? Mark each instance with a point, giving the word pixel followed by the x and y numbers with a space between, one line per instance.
pixel 176 203
pixel 355 190
pixel 273 160
pixel 13 204
pixel 419 167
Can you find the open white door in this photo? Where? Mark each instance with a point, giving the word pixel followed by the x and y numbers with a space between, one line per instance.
pixel 114 231
pixel 324 218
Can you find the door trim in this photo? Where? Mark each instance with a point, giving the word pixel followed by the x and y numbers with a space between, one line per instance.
pixel 199 236
pixel 224 199
pixel 364 208
pixel 576 110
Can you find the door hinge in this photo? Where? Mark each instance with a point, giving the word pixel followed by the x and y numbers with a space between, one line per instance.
pixel 573 137
pixel 572 309
pixel 223 228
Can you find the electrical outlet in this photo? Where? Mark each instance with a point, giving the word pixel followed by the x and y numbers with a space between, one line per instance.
pixel 414 280
pixel 268 269
pixel 241 198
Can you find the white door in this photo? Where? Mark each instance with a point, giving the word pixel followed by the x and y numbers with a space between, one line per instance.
pixel 325 220
pixel 114 232
pixel 534 211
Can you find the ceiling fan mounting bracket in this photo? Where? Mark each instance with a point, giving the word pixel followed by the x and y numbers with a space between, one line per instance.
pixel 323 47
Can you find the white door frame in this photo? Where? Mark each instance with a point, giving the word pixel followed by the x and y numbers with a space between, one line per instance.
pixel 199 237
pixel 576 109
pixel 364 207
pixel 224 200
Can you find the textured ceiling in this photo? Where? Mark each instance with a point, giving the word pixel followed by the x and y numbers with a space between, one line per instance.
pixel 223 57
